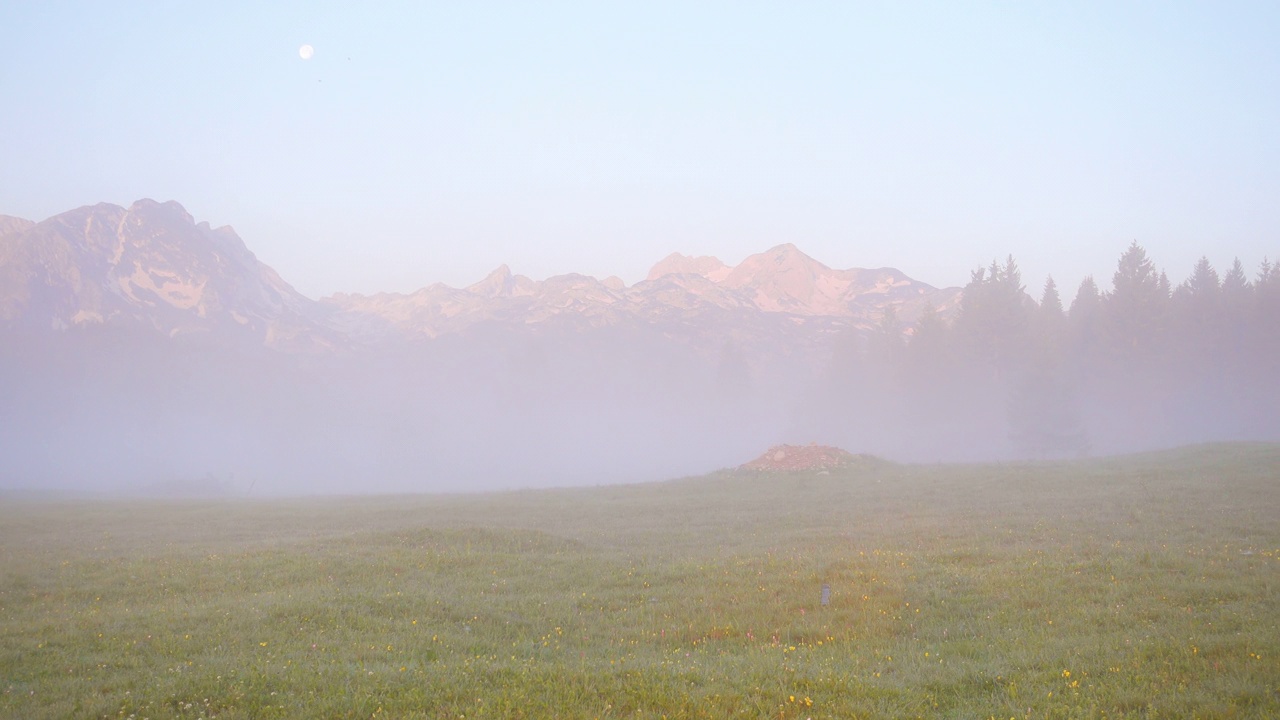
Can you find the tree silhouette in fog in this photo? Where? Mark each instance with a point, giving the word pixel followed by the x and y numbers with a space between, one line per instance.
pixel 1141 365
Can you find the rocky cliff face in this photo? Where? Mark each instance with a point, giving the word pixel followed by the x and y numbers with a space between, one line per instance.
pixel 148 265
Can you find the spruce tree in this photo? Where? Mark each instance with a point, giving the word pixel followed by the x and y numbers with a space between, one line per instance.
pixel 1197 310
pixel 1236 289
pixel 1085 332
pixel 994 322
pixel 1136 307
pixel 1043 411
pixel 1132 379
pixel 1051 321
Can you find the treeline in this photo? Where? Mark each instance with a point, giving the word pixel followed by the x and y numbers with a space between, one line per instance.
pixel 1145 364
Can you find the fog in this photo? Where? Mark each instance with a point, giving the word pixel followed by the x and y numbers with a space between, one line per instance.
pixel 103 411
pixel 107 409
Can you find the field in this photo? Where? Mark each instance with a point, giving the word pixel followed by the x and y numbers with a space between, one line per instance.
pixel 1141 587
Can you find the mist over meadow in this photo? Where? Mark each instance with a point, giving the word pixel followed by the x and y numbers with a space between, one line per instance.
pixel 1136 362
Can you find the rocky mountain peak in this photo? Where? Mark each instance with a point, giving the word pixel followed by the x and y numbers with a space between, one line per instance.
pixel 782 260
pixel 149 264
pixel 676 264
pixel 152 210
pixel 784 279
pixel 498 283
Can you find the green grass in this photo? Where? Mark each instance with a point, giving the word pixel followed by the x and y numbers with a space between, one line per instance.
pixel 1138 587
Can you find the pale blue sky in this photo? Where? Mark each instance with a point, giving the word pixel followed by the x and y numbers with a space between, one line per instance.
pixel 431 142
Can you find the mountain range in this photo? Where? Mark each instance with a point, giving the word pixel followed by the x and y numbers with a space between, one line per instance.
pixel 151 265
pixel 139 347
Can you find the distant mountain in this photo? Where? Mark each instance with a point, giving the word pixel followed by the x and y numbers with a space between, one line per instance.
pixel 782 285
pixel 785 280
pixel 149 265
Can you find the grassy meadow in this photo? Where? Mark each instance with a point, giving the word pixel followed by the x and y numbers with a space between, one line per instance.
pixel 1137 587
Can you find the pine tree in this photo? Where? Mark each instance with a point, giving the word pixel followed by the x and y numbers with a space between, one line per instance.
pixel 1236 289
pixel 1088 300
pixel 1266 421
pixel 1237 299
pixel 1051 321
pixel 1085 324
pixel 1265 322
pixel 928 344
pixel 1197 310
pixel 1136 307
pixel 1194 399
pixel 1203 284
pixel 926 357
pixel 1238 388
pixel 994 322
pixel 1268 278
pixel 1131 379
pixel 1043 413
pixel 1266 308
pixel 1050 302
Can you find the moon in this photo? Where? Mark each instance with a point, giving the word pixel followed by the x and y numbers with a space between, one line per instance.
pixel 306 51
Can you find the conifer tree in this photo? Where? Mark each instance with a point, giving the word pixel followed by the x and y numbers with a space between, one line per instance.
pixel 1197 310
pixel 1131 381
pixel 928 344
pixel 1236 289
pixel 926 357
pixel 1196 390
pixel 1085 327
pixel 1136 307
pixel 1043 412
pixel 1088 301
pixel 994 322
pixel 1050 301
pixel 1265 318
pixel 1050 319
pixel 1237 299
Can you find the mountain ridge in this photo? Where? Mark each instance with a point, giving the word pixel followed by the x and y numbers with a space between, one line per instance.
pixel 153 264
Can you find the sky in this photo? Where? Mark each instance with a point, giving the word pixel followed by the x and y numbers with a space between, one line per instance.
pixel 431 142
